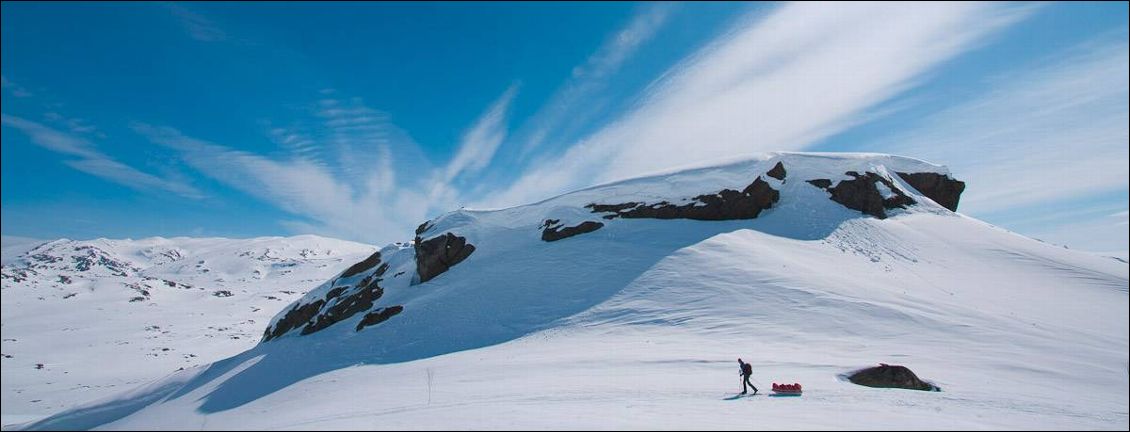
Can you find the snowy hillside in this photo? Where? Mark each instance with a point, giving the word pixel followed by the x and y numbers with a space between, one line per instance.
pixel 626 305
pixel 86 319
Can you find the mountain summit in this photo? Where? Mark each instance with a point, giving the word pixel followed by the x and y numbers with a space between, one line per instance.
pixel 624 305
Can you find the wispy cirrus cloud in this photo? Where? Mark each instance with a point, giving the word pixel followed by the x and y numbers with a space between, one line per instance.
pixel 1101 228
pixel 197 25
pixel 377 208
pixel 481 141
pixel 15 89
pixel 342 176
pixel 1045 141
pixel 91 161
pixel 587 80
pixel 776 82
pixel 1055 131
pixel 77 125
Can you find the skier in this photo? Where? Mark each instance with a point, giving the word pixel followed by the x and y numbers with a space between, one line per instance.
pixel 745 370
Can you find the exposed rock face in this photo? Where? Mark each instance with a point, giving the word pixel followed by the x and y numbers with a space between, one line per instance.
pixel 939 187
pixel 340 303
pixel 366 264
pixel 725 205
pixel 888 376
pixel 298 316
pixel 552 230
pixel 378 316
pixel 821 183
pixel 862 193
pixel 778 171
pixel 347 305
pixel 437 254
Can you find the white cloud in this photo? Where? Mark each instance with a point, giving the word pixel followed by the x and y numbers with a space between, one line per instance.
pixel 52 139
pixel 348 171
pixel 1054 132
pixel 197 26
pixel 15 89
pixel 93 162
pixel 588 79
pixel 480 142
pixel 1092 229
pixel 377 209
pixel 782 81
pixel 123 174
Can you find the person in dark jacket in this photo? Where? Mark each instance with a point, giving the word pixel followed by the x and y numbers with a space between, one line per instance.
pixel 745 370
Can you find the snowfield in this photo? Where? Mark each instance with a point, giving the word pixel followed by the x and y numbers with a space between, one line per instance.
pixel 103 316
pixel 639 323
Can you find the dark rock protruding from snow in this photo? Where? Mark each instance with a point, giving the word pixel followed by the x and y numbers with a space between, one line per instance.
pixel 359 300
pixel 862 193
pixel 821 183
pixel 890 376
pixel 422 228
pixel 378 316
pixel 368 263
pixel 553 231
pixel 297 317
pixel 778 171
pixel 435 255
pixel 727 204
pixel 340 303
pixel 941 188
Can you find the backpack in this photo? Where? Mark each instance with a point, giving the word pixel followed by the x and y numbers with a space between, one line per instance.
pixel 747 369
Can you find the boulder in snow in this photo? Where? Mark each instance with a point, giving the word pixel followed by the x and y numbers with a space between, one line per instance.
pixel 890 376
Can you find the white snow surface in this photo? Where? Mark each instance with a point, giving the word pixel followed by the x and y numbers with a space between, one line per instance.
pixel 13 247
pixel 639 324
pixel 67 306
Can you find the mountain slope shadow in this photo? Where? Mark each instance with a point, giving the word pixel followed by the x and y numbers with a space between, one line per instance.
pixel 513 285
pixel 498 295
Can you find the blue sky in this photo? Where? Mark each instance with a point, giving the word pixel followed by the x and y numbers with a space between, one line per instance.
pixel 360 121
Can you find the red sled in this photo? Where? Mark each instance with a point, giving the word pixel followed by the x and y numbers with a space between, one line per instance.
pixel 793 389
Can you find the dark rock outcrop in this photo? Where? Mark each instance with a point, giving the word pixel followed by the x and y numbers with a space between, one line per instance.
pixel 435 255
pixel 366 264
pixel 336 292
pixel 941 188
pixel 821 183
pixel 778 171
pixel 298 316
pixel 378 316
pixel 890 376
pixel 861 193
pixel 725 205
pixel 422 228
pixel 359 300
pixel 339 303
pixel 552 230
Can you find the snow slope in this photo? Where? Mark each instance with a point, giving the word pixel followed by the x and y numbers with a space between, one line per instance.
pixel 14 247
pixel 638 324
pixel 86 319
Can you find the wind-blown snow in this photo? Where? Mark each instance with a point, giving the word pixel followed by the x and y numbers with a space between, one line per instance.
pixel 639 324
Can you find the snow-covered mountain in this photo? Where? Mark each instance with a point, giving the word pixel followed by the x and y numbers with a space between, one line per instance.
pixel 626 305
pixel 86 319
